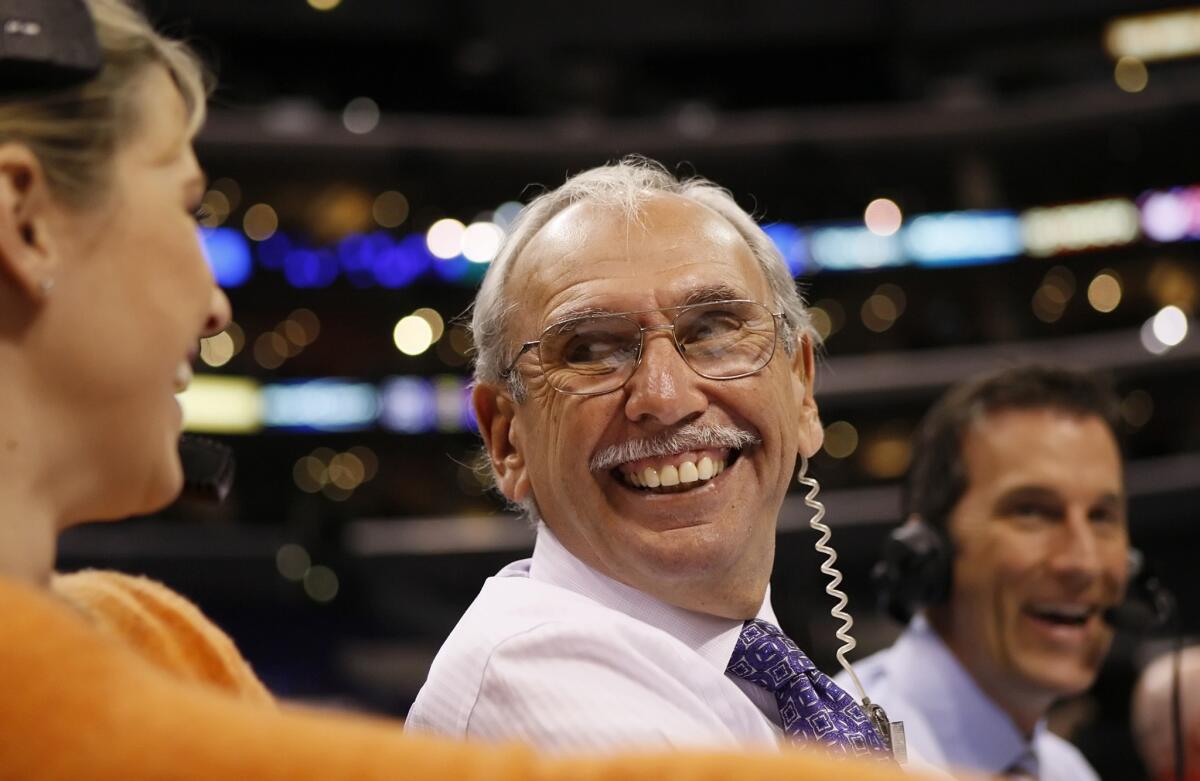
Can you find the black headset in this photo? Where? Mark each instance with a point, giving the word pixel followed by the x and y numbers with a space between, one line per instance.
pixel 914 569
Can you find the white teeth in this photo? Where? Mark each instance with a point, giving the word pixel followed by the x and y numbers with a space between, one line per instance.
pixel 685 473
pixel 183 376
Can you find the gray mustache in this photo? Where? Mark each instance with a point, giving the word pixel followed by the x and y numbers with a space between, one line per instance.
pixel 692 436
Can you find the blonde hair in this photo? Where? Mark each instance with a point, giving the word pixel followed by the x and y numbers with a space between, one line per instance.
pixel 75 131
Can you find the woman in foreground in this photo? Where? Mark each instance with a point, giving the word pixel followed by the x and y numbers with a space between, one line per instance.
pixel 104 294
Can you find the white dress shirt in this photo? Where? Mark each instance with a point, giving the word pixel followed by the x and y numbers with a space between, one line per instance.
pixel 948 720
pixel 557 655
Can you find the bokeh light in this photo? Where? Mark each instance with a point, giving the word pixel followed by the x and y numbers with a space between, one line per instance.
pixel 390 209
pixel 260 222
pixel 883 217
pixel 436 324
pixel 321 584
pixel 216 351
pixel 886 455
pixel 506 214
pixel 1130 74
pixel 1104 291
pixel 445 238
pixel 481 241
pixel 1052 296
pixel 216 208
pixel 1170 325
pixel 1137 408
pixel 292 561
pixel 412 335
pixel 361 115
pixel 841 439
pixel 230 189
pixel 270 350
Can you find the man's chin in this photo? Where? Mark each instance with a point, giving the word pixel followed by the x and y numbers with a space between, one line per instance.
pixel 1059 678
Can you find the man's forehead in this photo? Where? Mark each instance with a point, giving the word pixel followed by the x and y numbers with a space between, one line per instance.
pixel 591 241
pixel 1011 445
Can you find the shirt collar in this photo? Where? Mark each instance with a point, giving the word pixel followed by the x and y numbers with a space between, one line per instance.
pixel 712 637
pixel 976 732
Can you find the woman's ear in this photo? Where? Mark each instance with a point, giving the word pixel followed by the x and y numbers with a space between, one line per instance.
pixel 495 412
pixel 27 258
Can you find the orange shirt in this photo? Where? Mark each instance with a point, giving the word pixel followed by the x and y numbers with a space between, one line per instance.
pixel 129 686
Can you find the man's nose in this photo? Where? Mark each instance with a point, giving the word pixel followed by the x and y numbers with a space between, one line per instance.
pixel 663 388
pixel 1078 555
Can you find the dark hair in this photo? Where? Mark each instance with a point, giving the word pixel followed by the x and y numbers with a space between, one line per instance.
pixel 937 478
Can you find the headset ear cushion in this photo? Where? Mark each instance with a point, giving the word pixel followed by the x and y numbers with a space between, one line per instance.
pixel 914 570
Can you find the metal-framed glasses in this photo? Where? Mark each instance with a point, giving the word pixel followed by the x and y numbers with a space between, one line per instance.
pixel 593 354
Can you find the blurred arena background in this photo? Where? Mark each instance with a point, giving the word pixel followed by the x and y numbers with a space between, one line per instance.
pixel 956 186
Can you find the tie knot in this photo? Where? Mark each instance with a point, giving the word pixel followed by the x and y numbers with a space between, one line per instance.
pixel 765 656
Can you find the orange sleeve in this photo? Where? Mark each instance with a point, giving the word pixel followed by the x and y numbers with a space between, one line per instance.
pixel 163 627
pixel 77 703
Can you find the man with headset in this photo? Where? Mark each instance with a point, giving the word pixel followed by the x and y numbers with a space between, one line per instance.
pixel 1015 543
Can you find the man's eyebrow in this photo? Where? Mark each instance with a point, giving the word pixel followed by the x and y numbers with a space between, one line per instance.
pixel 700 295
pixel 710 293
pixel 1043 493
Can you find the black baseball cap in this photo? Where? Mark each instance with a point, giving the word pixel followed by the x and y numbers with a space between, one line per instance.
pixel 46 45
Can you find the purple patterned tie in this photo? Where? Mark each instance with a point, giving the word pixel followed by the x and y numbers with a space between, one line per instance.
pixel 811 705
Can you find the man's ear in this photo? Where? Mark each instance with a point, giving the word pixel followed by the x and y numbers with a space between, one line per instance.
pixel 812 433
pixel 26 256
pixel 495 412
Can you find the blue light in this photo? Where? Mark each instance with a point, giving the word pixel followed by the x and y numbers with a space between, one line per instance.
pixel 228 255
pixel 791 243
pixel 271 251
pixel 401 263
pixel 307 268
pixel 359 254
pixel 320 405
pixel 963 238
pixel 853 247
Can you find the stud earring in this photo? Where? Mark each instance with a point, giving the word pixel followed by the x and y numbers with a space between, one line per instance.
pixel 47 284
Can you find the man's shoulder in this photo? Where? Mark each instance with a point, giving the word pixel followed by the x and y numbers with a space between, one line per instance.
pixel 522 635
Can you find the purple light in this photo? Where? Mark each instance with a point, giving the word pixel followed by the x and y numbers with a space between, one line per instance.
pixel 1165 215
pixel 409 405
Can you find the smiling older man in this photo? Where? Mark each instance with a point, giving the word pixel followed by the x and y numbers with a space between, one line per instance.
pixel 644 386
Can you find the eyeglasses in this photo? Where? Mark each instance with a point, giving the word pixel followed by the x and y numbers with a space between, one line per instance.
pixel 594 354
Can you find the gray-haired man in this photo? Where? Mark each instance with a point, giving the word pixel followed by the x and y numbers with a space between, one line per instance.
pixel 644 386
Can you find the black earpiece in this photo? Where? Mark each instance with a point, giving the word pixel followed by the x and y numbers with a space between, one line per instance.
pixel 914 570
